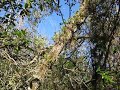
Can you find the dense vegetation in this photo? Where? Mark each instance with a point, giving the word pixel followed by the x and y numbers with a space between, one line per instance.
pixel 85 54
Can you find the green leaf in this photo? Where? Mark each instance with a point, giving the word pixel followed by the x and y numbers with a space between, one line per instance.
pixel 26 5
pixel 20 33
pixel 3 1
pixel 29 3
pixel 69 64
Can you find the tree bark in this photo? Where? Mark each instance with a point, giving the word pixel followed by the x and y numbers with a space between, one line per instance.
pixel 64 38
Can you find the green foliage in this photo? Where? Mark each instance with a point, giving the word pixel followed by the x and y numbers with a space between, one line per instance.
pixel 69 65
pixel 40 42
pixel 106 76
pixel 19 33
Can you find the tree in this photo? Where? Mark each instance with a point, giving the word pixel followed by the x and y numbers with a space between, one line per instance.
pixel 64 65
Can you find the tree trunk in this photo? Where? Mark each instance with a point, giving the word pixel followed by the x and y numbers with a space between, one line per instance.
pixel 64 38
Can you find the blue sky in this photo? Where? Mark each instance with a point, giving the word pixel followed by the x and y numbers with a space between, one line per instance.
pixel 51 24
